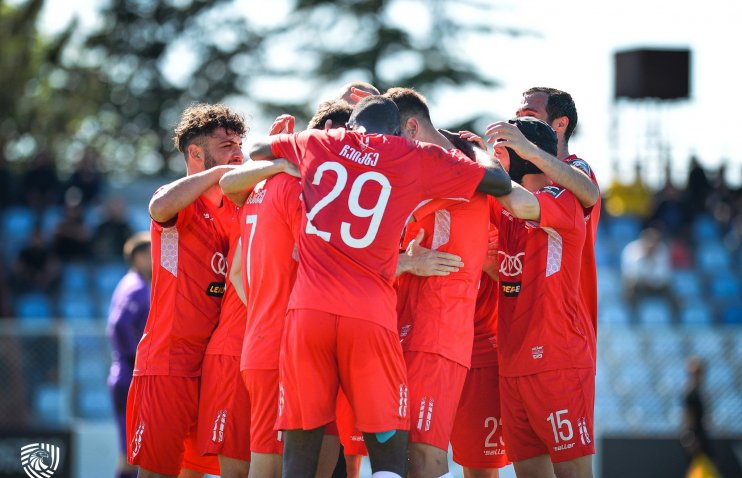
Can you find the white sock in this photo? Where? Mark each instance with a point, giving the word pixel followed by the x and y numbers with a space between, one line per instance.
pixel 385 474
pixel 447 475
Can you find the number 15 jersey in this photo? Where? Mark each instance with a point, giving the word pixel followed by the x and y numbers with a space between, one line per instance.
pixel 358 190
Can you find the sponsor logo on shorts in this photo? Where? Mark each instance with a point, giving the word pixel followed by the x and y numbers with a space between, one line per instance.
pixel 494 452
pixel 425 415
pixel 137 441
pixel 566 446
pixel 40 460
pixel 584 434
pixel 216 289
pixel 402 400
pixel 217 433
pixel 537 352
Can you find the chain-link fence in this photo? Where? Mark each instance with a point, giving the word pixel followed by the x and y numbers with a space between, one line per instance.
pixel 50 376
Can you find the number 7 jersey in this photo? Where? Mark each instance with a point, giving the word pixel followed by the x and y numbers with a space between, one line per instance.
pixel 358 191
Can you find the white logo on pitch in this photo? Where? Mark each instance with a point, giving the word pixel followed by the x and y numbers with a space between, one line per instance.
pixel 511 265
pixel 219 264
pixel 40 460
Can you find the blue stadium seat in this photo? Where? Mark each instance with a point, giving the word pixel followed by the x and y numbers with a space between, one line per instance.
pixel 696 313
pixel 705 228
pixel 77 306
pixel 75 278
pixel 725 287
pixel 139 219
pixel 712 257
pixel 609 284
pixel 49 220
pixel 34 309
pixel 726 412
pixel 672 377
pixel 94 402
pixel 90 368
pixel 17 223
pixel 631 379
pixel 614 313
pixel 666 346
pixel 708 343
pixel 623 229
pixel 686 284
pixel 107 277
pixel 647 412
pixel 654 311
pixel 732 313
pixel 719 376
pixel 48 403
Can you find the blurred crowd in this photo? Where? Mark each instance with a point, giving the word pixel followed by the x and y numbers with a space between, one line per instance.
pixel 73 220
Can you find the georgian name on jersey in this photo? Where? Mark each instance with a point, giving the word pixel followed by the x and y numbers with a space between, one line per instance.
pixel 367 159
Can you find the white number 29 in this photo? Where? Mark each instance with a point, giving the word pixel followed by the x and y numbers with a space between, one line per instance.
pixel 375 213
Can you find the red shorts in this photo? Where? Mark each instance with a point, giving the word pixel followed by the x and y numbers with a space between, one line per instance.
pixel 321 352
pixel 350 437
pixel 549 413
pixel 161 417
pixel 262 386
pixel 223 409
pixel 476 439
pixel 435 387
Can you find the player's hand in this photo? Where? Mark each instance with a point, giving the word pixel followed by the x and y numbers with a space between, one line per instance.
pixel 490 261
pixel 283 124
pixel 425 262
pixel 508 135
pixel 476 139
pixel 357 95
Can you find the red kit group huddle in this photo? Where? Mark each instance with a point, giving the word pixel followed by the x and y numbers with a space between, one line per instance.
pixel 376 282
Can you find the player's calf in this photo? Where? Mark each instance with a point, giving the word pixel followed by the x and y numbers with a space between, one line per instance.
pixel 387 453
pixel 301 450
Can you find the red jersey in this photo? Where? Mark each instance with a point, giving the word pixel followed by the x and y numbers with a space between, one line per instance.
pixel 270 227
pixel 436 314
pixel 358 191
pixel 227 337
pixel 542 324
pixel 588 272
pixel 484 350
pixel 188 276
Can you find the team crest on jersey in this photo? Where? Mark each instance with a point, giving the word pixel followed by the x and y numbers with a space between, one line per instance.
pixel 581 165
pixel 537 352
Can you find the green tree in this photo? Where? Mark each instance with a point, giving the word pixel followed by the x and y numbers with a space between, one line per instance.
pixel 44 99
pixel 158 57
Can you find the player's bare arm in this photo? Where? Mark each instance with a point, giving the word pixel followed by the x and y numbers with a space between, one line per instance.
pixel 496 181
pixel 521 203
pixel 571 178
pixel 238 183
pixel 172 198
pixel 235 272
pixel 421 261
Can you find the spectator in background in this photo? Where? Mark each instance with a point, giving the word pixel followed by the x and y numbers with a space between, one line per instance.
pixel 40 182
pixel 127 316
pixel 646 268
pixel 37 268
pixel 693 436
pixel 697 189
pixel 87 179
pixel 634 198
pixel 111 234
pixel 71 240
pixel 671 217
pixel 720 202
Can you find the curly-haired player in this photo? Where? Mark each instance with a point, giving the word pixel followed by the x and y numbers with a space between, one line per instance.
pixel 189 246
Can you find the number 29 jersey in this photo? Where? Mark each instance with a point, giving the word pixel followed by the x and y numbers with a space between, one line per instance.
pixel 358 191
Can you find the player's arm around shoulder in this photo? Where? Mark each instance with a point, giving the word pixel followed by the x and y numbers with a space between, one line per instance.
pixel 172 198
pixel 238 183
pixel 521 203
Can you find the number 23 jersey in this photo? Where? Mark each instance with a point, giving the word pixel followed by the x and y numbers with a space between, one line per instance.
pixel 358 191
